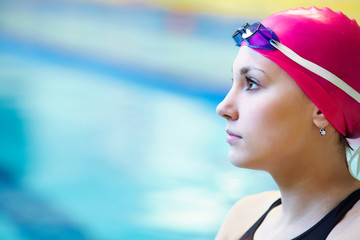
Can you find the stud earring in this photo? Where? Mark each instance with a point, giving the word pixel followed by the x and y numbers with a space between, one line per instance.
pixel 322 129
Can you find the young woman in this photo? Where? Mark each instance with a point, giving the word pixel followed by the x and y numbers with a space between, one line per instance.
pixel 294 101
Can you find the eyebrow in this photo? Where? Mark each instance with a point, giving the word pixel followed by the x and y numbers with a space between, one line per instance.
pixel 246 69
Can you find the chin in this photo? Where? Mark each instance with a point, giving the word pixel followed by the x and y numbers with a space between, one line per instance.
pixel 243 160
pixel 238 159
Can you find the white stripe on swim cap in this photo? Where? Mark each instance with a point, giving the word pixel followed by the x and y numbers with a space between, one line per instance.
pixel 322 72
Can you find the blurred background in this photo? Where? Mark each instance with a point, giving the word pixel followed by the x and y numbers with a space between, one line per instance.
pixel 108 127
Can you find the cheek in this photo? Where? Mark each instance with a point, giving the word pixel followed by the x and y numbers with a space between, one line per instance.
pixel 275 122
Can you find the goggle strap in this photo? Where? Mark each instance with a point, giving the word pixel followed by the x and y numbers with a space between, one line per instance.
pixel 322 72
pixel 356 153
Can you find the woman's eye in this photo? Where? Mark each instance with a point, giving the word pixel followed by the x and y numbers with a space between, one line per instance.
pixel 251 84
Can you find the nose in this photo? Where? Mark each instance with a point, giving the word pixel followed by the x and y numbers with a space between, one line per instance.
pixel 227 108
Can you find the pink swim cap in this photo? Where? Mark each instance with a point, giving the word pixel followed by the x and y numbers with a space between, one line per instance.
pixel 331 40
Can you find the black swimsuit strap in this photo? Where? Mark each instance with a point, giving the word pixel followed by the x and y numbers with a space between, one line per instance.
pixel 250 233
pixel 321 229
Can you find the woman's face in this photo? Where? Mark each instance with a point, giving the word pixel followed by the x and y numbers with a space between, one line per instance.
pixel 269 117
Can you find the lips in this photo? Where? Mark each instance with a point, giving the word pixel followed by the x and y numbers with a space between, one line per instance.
pixel 232 137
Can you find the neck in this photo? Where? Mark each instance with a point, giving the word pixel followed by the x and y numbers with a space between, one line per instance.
pixel 315 186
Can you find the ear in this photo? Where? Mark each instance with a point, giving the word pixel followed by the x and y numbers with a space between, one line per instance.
pixel 319 118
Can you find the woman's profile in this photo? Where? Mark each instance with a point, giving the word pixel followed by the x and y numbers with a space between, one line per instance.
pixel 294 101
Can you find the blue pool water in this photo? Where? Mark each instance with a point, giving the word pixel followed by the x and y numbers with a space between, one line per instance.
pixel 108 123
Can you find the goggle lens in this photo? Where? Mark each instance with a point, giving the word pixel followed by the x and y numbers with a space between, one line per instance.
pixel 255 36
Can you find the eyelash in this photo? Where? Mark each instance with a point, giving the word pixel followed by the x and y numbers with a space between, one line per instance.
pixel 249 81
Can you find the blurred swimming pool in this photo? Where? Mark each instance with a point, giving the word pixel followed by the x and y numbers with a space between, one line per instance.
pixel 108 123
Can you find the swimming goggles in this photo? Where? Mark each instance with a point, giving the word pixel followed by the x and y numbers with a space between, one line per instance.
pixel 260 37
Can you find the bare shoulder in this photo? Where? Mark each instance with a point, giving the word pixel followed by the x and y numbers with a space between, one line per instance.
pixel 348 227
pixel 245 213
